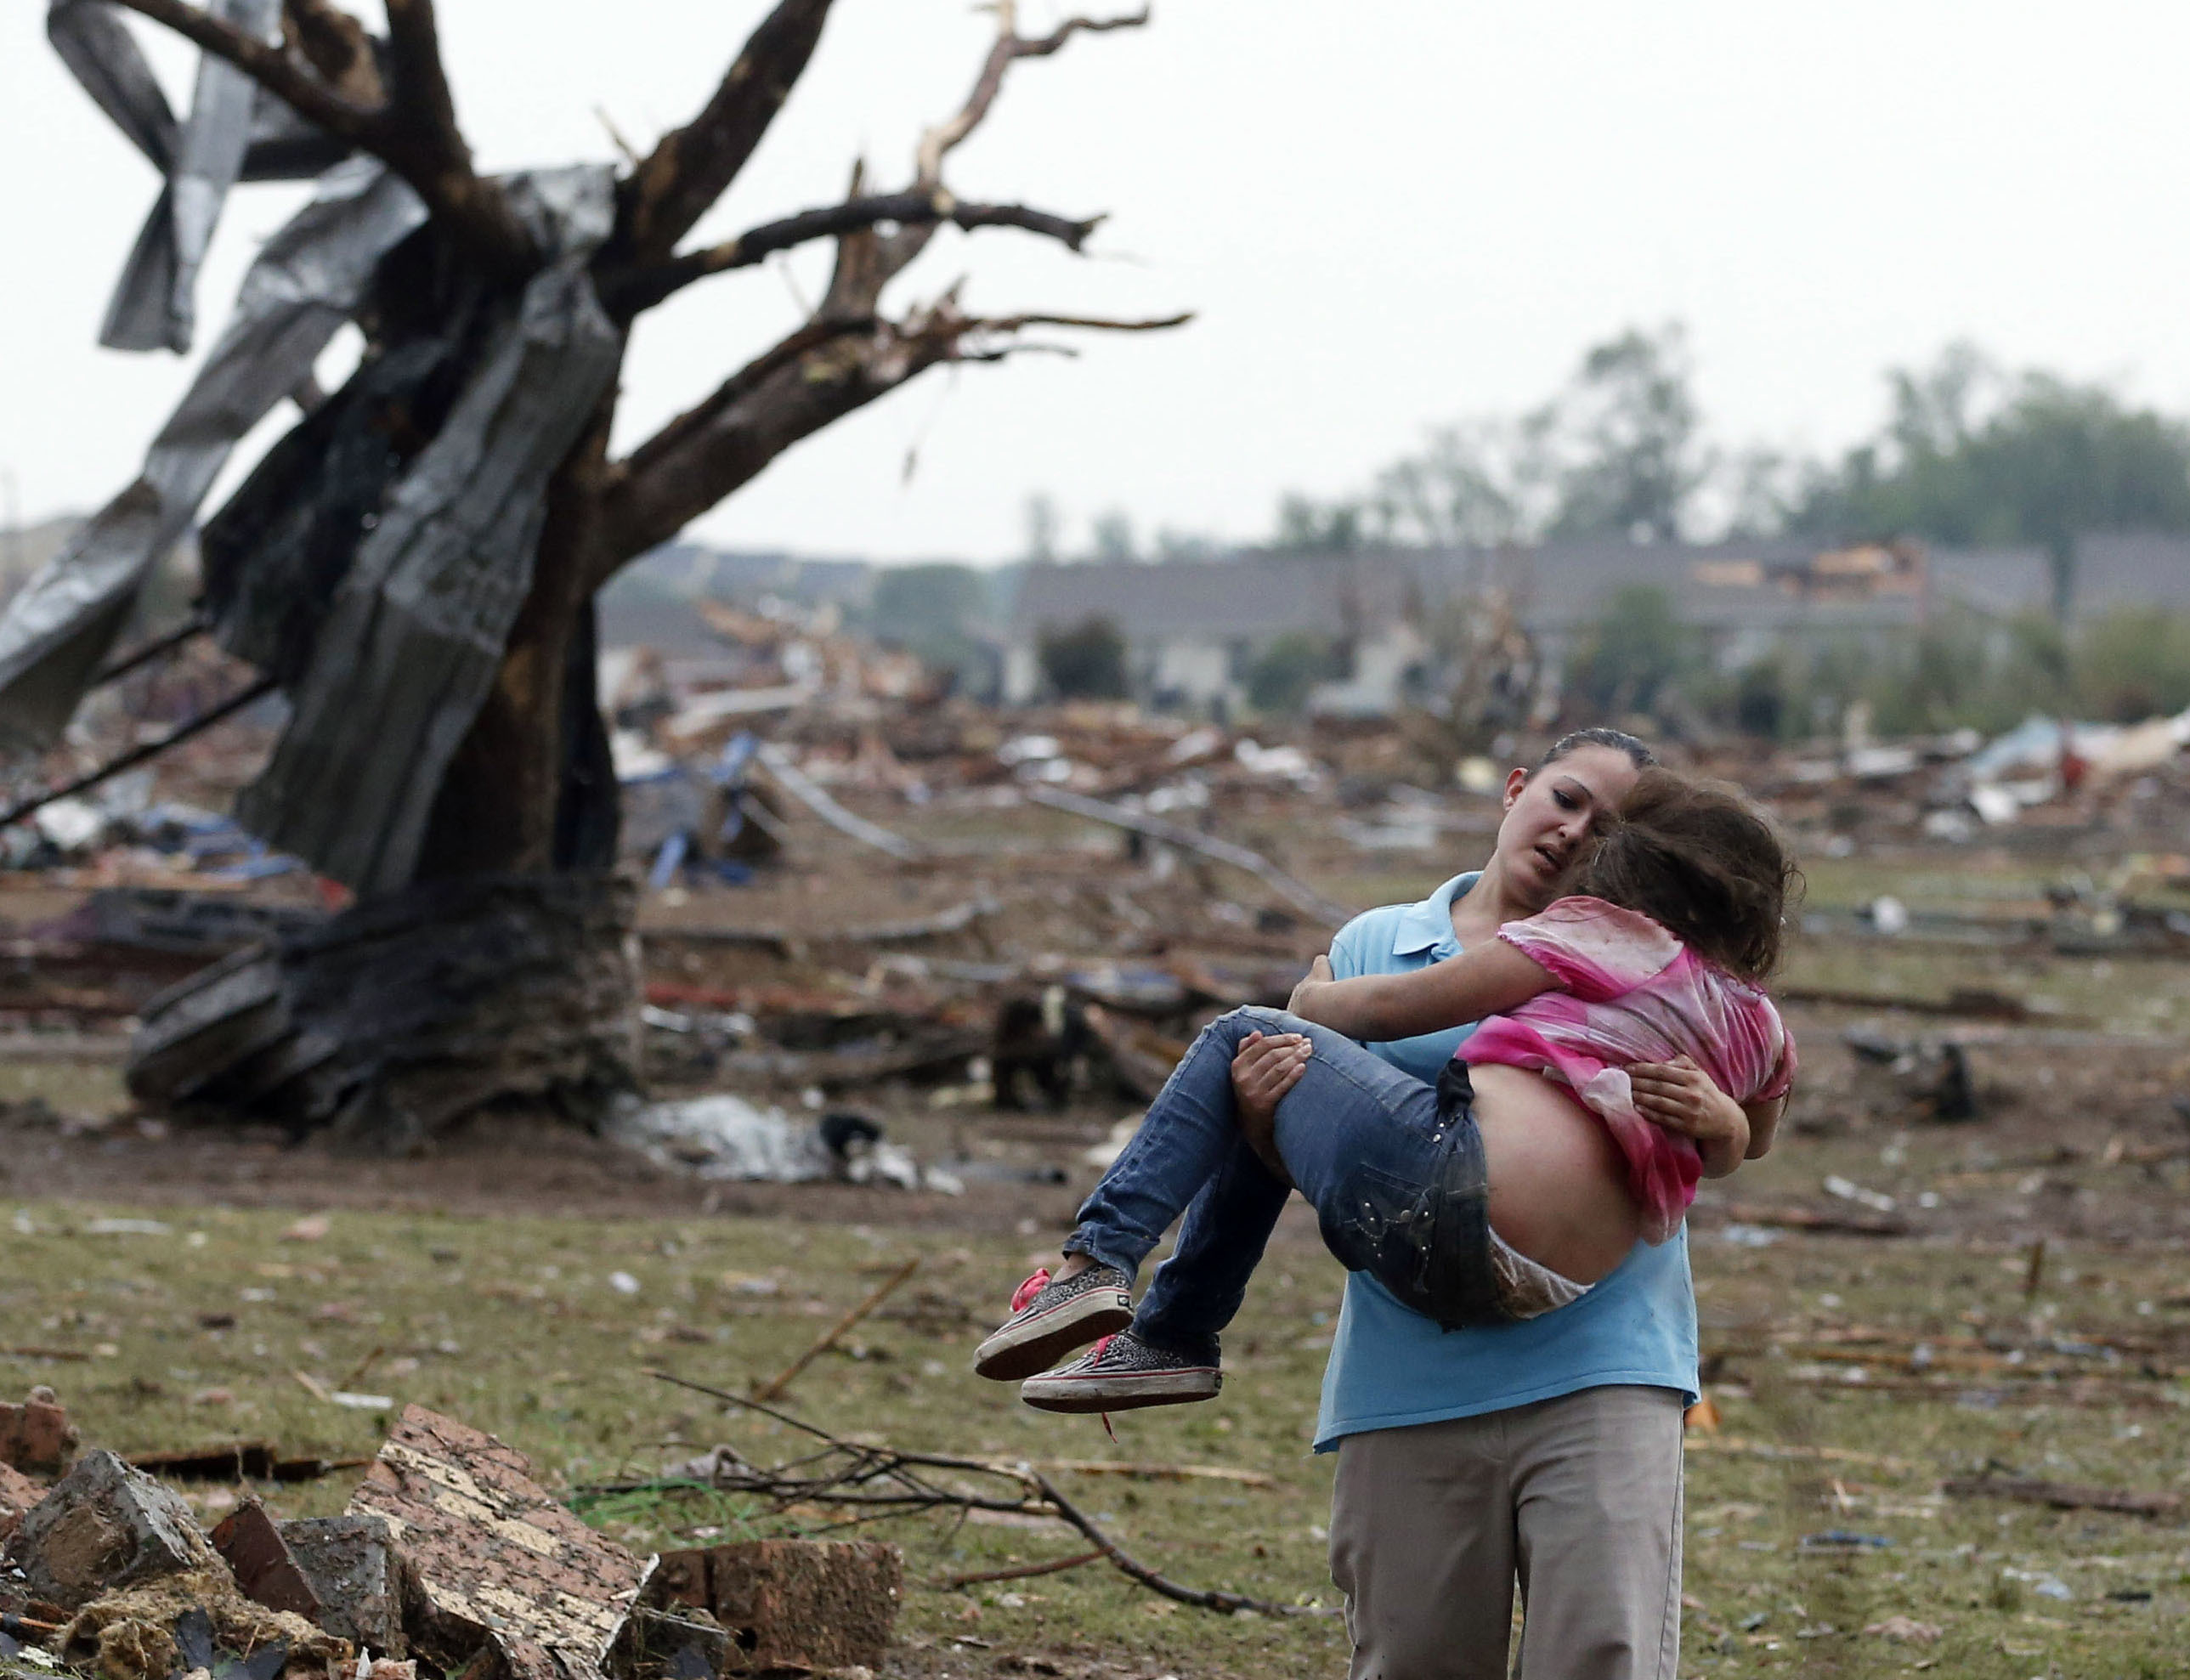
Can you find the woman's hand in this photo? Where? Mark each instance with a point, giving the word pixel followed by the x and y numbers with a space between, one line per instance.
pixel 1302 1001
pixel 1266 1067
pixel 1681 1097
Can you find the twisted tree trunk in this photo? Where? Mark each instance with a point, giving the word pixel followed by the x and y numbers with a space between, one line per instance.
pixel 489 957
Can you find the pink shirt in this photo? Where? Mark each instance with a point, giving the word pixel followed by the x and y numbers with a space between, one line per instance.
pixel 1629 992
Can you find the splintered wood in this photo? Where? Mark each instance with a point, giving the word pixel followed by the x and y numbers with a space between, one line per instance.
pixel 492 1554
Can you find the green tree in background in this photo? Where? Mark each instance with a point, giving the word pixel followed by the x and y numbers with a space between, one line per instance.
pixel 1617 452
pixel 2132 664
pixel 1632 654
pixel 1042 524
pixel 1971 456
pixel 1307 526
pixel 1086 660
pixel 1282 678
pixel 1113 536
pixel 1630 434
pixel 933 611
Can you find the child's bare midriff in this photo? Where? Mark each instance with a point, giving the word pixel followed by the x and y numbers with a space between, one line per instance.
pixel 1559 1185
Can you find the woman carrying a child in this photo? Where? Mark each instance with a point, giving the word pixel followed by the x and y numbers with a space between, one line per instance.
pixel 1518 1341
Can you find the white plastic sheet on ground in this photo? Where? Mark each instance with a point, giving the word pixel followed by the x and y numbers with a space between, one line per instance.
pixel 726 1137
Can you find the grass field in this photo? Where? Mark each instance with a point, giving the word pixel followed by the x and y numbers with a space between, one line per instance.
pixel 540 1329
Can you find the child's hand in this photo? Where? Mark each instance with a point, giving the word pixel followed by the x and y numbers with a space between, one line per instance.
pixel 1318 976
pixel 1681 1097
pixel 1265 1068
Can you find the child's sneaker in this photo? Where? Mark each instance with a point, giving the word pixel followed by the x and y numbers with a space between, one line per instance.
pixel 1051 1317
pixel 1122 1372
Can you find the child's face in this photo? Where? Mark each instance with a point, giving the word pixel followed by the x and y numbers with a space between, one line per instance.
pixel 1548 814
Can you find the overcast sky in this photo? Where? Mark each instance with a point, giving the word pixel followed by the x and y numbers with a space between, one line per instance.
pixel 1385 215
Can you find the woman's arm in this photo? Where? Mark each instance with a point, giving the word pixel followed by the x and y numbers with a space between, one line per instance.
pixel 1492 978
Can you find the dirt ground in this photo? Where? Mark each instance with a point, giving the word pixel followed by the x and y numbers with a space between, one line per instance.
pixel 526 1277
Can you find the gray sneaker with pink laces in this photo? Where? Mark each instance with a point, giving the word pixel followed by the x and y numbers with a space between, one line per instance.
pixel 1123 1372
pixel 1050 1317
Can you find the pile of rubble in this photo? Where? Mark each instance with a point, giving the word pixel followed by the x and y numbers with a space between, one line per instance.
pixel 451 1559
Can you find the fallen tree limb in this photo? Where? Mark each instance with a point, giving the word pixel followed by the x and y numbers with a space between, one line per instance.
pixel 1296 893
pixel 848 1473
pixel 2063 1495
pixel 1823 1220
pixel 1161 1472
pixel 828 1338
pixel 1023 1572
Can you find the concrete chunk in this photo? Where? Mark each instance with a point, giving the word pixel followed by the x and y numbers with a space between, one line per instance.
pixel 103 1526
pixel 792 1604
pixel 350 1563
pixel 491 1559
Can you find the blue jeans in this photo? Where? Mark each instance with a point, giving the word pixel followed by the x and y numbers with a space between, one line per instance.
pixel 1393 1168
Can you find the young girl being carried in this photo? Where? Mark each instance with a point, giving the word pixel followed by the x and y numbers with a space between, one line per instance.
pixel 1506 1190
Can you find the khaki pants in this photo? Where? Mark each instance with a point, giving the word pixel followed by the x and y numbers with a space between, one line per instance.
pixel 1578 1497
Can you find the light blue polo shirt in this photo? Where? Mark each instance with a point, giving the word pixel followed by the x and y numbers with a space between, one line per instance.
pixel 1391 1367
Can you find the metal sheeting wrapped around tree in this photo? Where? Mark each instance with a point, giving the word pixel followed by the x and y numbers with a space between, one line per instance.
pixel 415 634
pixel 307 280
pixel 234 131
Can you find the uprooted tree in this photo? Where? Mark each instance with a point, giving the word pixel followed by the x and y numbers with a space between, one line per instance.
pixel 413 565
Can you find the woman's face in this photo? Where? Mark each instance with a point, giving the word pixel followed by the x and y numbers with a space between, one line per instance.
pixel 1549 814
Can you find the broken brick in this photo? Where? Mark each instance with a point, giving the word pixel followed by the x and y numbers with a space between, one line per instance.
pixel 351 1565
pixel 259 1559
pixel 792 1604
pixel 102 1526
pixel 490 1559
pixel 18 1494
pixel 36 1435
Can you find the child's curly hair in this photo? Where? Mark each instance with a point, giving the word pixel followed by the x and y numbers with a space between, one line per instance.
pixel 1697 859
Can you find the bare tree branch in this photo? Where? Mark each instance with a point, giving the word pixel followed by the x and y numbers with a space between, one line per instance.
pixel 666 442
pixel 979 323
pixel 650 286
pixel 1011 45
pixel 882 259
pixel 336 45
pixel 692 166
pixel 420 92
pixel 816 376
pixel 429 154
pixel 269 65
pixel 849 355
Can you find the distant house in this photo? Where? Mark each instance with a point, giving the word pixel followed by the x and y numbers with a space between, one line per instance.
pixel 1194 628
pixel 1749 596
pixel 2115 573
